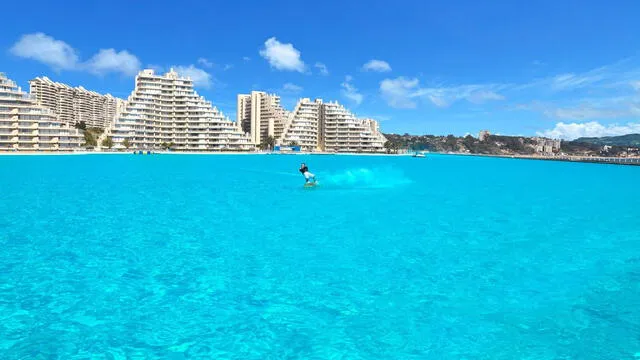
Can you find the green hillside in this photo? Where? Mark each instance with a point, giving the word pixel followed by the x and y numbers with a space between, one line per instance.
pixel 623 140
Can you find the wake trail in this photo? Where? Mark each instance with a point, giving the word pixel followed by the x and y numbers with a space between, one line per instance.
pixel 365 178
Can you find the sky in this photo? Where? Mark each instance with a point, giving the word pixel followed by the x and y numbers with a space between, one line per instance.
pixel 557 68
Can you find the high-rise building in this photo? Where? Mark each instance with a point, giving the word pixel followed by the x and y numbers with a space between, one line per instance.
pixel 319 126
pixel 261 115
pixel 75 105
pixel 27 126
pixel 343 132
pixel 165 109
pixel 302 127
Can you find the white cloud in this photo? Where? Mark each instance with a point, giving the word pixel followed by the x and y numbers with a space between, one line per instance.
pixel 573 131
pixel 282 56
pixel 377 66
pixel 227 67
pixel 293 88
pixel 482 96
pixel 62 56
pixel 350 92
pixel 246 58
pixel 399 92
pixel 402 92
pixel 323 68
pixel 47 50
pixel 205 62
pixel 108 60
pixel 636 85
pixel 584 113
pixel 156 68
pixel 612 107
pixel 199 77
pixel 573 81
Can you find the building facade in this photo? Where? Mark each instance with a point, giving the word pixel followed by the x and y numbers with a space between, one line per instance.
pixel 483 135
pixel 27 126
pixel 546 146
pixel 75 105
pixel 319 126
pixel 261 115
pixel 165 110
pixel 302 127
pixel 341 131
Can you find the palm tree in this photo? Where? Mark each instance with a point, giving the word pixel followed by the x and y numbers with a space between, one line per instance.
pixel 389 145
pixel 268 143
pixel 126 143
pixel 107 142
pixel 293 143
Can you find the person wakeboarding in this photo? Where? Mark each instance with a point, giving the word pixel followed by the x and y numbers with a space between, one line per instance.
pixel 304 170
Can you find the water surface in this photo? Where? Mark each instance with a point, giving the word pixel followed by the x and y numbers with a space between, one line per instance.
pixel 229 257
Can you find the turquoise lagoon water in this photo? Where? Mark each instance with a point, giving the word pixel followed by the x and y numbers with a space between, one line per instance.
pixel 229 257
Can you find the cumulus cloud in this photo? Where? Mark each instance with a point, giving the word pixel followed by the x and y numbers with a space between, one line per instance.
pixel 292 88
pixel 322 68
pixel 282 56
pixel 351 92
pixel 571 131
pixel 205 62
pixel 199 77
pixel 399 92
pixel 47 50
pixel 109 60
pixel 377 66
pixel 61 56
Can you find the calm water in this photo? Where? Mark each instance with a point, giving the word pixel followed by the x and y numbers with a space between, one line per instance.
pixel 229 257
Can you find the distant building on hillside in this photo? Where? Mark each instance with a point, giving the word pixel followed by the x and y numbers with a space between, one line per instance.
pixel 546 146
pixel 483 135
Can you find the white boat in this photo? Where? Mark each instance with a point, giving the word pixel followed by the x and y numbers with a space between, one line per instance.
pixel 420 154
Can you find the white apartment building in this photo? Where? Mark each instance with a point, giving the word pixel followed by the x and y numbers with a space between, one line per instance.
pixel 73 105
pixel 27 126
pixel 261 115
pixel 303 126
pixel 341 131
pixel 165 109
pixel 319 126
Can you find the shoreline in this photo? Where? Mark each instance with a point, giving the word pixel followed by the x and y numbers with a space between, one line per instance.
pixel 78 153
pixel 629 161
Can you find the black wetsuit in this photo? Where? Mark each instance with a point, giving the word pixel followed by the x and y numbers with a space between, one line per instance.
pixel 304 169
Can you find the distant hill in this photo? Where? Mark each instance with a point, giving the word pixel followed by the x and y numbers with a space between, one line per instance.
pixel 623 140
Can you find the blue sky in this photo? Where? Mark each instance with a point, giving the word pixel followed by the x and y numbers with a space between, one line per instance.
pixel 560 68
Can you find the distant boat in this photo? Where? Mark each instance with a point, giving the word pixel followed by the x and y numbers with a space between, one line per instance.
pixel 419 154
